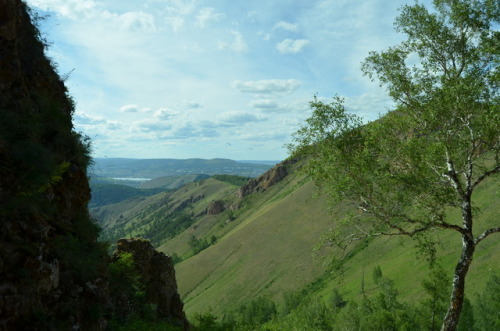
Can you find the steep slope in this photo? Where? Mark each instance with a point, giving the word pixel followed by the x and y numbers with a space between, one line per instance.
pixel 268 253
pixel 266 250
pixel 162 216
pixel 260 240
pixel 263 248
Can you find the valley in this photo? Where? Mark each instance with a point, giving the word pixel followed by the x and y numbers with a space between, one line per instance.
pixel 261 240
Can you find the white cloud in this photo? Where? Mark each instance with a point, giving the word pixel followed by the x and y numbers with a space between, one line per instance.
pixel 238 44
pixel 164 114
pixel 180 7
pixel 113 125
pixel 291 46
pixel 207 15
pixel 190 131
pixel 264 104
pixel 163 53
pixel 369 105
pixel 138 21
pixel 153 126
pixel 286 26
pixel 84 119
pixel 176 22
pixel 129 109
pixel 74 9
pixel 134 109
pixel 193 104
pixel 238 117
pixel 269 86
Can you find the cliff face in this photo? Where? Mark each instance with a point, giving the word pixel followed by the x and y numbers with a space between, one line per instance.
pixel 157 278
pixel 45 231
pixel 266 180
pixel 53 272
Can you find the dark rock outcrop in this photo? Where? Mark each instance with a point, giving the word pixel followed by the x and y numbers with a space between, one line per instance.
pixel 158 276
pixel 50 261
pixel 216 207
pixel 53 271
pixel 266 180
pixel 185 203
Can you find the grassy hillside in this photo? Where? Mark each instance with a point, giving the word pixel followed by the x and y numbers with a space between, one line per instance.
pixel 161 216
pixel 262 246
pixel 268 252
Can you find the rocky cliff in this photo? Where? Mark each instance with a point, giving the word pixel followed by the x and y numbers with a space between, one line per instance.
pixel 53 272
pixel 267 179
pixel 157 276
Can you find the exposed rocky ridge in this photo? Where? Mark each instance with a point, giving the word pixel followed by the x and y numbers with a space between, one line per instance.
pixel 53 272
pixel 266 180
pixel 185 203
pixel 216 207
pixel 158 275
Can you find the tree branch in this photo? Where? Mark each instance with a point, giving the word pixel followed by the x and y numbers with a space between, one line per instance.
pixel 451 174
pixel 486 234
pixel 485 175
pixel 402 232
pixel 445 225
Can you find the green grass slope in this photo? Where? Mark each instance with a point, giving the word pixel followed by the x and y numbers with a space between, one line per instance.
pixel 161 216
pixel 267 251
pixel 262 245
pixel 399 259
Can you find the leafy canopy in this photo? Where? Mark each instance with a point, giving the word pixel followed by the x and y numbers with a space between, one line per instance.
pixel 440 142
pixel 407 170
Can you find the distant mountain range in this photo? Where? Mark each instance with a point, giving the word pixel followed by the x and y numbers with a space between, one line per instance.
pixel 154 168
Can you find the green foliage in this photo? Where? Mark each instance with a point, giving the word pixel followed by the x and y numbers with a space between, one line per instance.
pixel 382 310
pixel 467 321
pixel 406 171
pixel 209 322
pixel 152 223
pixel 487 308
pixel 197 245
pixel 136 323
pixel 377 275
pixel 434 308
pixel 125 279
pixel 175 258
pixel 311 315
pixel 232 179
pixel 254 312
pixel 105 193
pixel 80 252
pixel 128 292
pixel 292 300
pixel 169 226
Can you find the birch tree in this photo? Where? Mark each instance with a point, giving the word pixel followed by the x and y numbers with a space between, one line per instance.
pixel 405 172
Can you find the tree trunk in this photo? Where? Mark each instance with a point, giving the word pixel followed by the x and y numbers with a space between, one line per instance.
pixel 450 321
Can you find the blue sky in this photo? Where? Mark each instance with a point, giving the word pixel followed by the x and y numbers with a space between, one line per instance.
pixel 218 78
